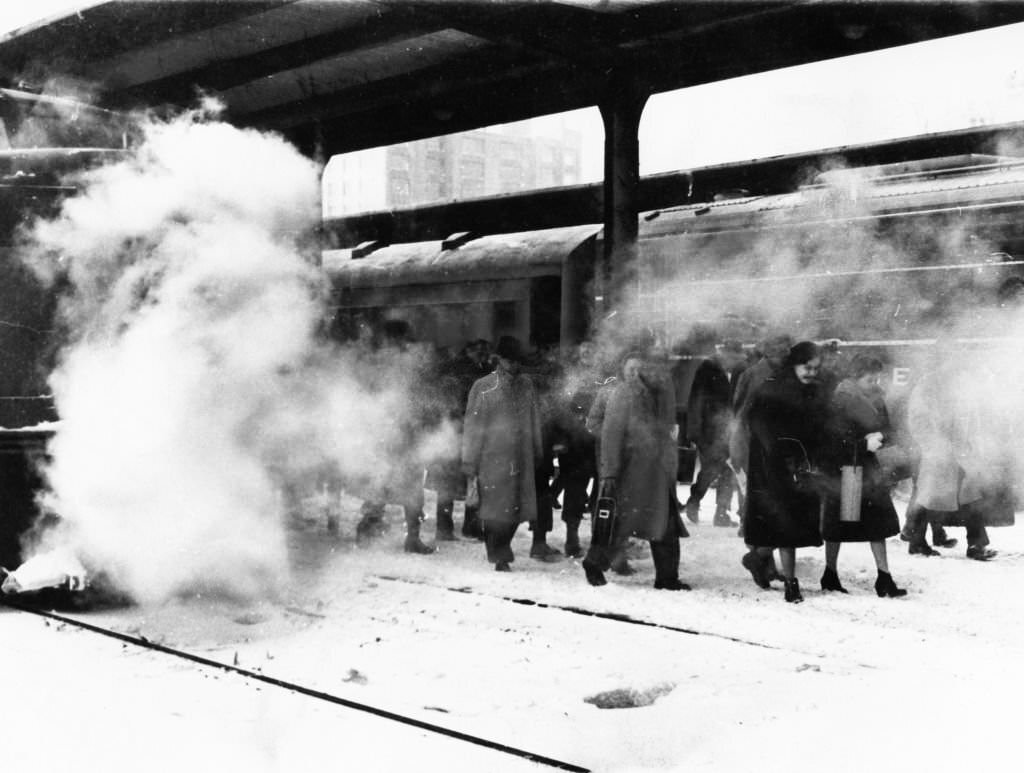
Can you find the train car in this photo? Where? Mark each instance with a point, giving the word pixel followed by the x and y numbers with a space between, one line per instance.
pixel 43 140
pixel 883 258
pixel 535 286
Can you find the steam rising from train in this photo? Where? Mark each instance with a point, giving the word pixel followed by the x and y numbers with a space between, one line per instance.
pixel 193 386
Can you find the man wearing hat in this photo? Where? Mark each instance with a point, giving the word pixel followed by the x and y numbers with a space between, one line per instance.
pixel 501 445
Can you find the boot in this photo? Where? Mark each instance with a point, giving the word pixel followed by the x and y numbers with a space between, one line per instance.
pixel 542 551
pixel 692 510
pixel 671 585
pixel 594 575
pixel 830 581
pixel 885 587
pixel 413 543
pixel 793 595
pixel 502 566
pixel 572 541
pixel 940 539
pixel 922 549
pixel 622 567
pixel 722 519
pixel 981 553
pixel 752 563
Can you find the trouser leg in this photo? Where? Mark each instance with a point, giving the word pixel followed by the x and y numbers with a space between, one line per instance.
pixel 471 524
pixel 723 492
pixel 445 523
pixel 498 539
pixel 665 553
pixel 977 534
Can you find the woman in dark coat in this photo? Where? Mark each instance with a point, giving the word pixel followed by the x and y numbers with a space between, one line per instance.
pixel 638 470
pixel 786 420
pixel 858 426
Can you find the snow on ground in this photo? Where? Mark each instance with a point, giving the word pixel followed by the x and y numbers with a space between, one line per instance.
pixel 838 683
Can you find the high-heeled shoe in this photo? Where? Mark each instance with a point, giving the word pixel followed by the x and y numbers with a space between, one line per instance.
pixel 830 581
pixel 885 587
pixel 793 594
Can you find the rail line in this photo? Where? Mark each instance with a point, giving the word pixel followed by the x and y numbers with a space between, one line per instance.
pixel 616 617
pixel 141 641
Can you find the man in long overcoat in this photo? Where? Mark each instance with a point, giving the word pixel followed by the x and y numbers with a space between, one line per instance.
pixel 501 446
pixel 638 470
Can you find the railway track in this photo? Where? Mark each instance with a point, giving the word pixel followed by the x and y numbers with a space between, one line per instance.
pixel 144 643
pixel 616 617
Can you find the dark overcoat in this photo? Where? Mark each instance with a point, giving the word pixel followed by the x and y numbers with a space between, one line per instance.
pixel 853 414
pixel 786 420
pixel 501 446
pixel 637 450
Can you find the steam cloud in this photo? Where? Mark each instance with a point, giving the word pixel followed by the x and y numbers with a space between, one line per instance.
pixel 193 385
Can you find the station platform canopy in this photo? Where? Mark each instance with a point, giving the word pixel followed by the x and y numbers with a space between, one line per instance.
pixel 350 74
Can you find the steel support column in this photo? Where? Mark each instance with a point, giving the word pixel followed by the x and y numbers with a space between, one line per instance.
pixel 621 109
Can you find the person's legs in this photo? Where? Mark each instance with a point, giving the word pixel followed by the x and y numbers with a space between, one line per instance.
pixel 665 553
pixel 977 535
pixel 884 585
pixel 788 558
pixel 445 529
pixel 498 539
pixel 830 577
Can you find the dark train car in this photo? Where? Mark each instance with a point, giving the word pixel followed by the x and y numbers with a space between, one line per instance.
pixel 533 285
pixel 42 141
pixel 883 258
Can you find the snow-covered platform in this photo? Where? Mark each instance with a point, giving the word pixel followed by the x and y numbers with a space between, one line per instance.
pixel 726 677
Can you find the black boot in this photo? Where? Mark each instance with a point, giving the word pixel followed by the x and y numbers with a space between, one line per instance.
pixel 830 581
pixel 885 587
pixel 922 549
pixel 413 543
pixel 793 594
pixel 594 575
pixel 752 563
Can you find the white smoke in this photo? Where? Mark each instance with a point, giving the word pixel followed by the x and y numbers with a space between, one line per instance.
pixel 193 384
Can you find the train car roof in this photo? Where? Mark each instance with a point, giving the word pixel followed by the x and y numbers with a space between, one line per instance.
pixel 962 183
pixel 499 256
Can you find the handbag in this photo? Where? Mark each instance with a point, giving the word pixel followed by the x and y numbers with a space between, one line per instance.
pixel 851 491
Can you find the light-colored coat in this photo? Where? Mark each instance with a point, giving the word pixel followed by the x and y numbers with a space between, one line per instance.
pixel 501 444
pixel 938 426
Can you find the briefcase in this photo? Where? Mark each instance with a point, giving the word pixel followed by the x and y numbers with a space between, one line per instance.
pixel 603 525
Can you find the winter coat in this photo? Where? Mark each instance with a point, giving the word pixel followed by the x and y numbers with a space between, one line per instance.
pixel 947 475
pixel 501 446
pixel 709 409
pixel 853 414
pixel 638 451
pixel 787 424
pixel 747 385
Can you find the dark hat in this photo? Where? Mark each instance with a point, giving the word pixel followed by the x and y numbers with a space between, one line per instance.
pixel 509 348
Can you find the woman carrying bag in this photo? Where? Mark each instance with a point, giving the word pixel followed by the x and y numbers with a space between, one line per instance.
pixel 860 509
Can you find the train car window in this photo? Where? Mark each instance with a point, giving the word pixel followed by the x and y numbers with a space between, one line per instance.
pixel 505 316
pixel 545 310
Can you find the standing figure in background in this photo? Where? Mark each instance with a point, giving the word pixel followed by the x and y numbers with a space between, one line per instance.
pixel 473 363
pixel 774 351
pixel 545 372
pixel 708 422
pixel 402 482
pixel 787 423
pixel 575 447
pixel 638 471
pixel 859 426
pixel 951 476
pixel 501 447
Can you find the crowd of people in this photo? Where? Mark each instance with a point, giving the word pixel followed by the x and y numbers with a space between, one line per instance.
pixel 797 434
